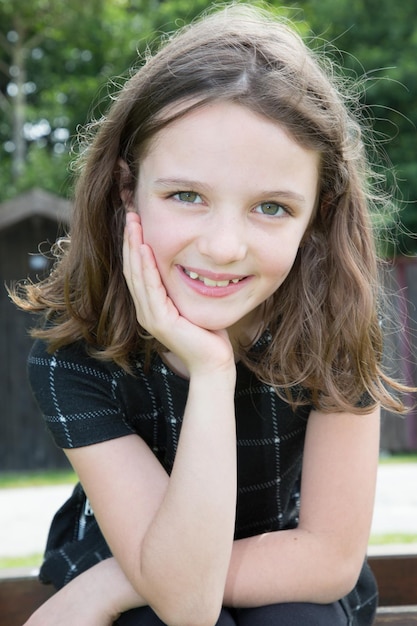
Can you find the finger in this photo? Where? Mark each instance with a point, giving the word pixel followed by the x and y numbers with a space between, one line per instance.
pixel 139 256
pixel 132 240
pixel 144 281
pixel 132 261
pixel 133 218
pixel 133 234
pixel 157 298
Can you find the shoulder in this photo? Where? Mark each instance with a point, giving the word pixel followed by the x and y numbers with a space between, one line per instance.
pixel 66 368
pixel 82 399
pixel 72 357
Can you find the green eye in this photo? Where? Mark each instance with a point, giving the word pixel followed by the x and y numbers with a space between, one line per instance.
pixel 188 196
pixel 270 208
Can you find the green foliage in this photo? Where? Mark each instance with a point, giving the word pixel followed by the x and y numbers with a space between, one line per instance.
pixel 60 55
pixel 379 43
pixel 43 169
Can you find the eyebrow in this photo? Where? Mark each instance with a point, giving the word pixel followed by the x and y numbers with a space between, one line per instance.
pixel 180 182
pixel 189 184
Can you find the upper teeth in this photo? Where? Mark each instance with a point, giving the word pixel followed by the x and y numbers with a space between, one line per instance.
pixel 209 282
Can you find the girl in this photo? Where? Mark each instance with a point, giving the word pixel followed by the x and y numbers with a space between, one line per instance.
pixel 215 377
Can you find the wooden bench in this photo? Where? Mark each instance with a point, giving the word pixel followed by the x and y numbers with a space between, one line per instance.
pixel 396 576
pixel 19 597
pixel 397 582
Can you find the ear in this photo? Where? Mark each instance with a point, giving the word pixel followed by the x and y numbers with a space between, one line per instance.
pixel 126 185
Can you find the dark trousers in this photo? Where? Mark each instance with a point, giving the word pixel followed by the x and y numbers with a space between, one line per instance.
pixel 289 614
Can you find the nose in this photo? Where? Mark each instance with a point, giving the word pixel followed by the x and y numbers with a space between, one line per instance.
pixel 224 238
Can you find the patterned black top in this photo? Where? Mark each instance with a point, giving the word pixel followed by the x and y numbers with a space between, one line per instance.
pixel 86 401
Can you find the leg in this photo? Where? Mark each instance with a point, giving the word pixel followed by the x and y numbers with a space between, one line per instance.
pixel 294 614
pixel 144 616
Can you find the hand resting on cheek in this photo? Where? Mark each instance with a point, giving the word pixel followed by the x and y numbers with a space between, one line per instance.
pixel 199 349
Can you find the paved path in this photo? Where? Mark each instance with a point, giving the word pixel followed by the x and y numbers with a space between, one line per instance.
pixel 25 514
pixel 395 505
pixel 396 499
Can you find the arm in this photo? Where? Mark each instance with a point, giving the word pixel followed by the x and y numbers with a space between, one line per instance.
pixel 172 539
pixel 95 598
pixel 320 560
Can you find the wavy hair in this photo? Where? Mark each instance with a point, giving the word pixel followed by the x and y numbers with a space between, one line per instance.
pixel 324 318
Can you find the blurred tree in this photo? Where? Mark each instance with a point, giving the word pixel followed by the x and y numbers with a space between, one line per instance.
pixel 54 55
pixel 25 29
pixel 379 38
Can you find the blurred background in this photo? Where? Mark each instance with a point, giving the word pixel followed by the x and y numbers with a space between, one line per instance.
pixel 60 60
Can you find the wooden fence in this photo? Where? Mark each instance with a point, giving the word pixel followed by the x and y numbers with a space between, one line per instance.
pixel 400 433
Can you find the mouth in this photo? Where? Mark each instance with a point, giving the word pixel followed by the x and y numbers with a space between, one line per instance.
pixel 211 282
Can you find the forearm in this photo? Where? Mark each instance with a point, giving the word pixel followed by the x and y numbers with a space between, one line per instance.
pixel 186 552
pixel 113 587
pixel 320 560
pixel 289 566
pixel 172 535
pixel 96 597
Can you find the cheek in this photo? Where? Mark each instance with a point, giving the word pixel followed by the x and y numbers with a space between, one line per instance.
pixel 277 260
pixel 153 230
pixel 159 242
pixel 163 242
pixel 164 233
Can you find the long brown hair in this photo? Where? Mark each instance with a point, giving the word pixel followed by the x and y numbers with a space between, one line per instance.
pixel 324 318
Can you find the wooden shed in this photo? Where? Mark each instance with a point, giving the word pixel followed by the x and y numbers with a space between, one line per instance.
pixel 29 224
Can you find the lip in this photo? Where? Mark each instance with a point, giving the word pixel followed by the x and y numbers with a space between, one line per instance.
pixel 199 287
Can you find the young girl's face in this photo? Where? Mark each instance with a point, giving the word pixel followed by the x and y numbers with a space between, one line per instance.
pixel 225 197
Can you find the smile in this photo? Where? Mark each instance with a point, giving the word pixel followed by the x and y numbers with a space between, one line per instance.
pixel 209 282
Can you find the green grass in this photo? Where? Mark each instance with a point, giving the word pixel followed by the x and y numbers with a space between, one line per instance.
pixel 392 538
pixel 398 458
pixel 16 562
pixel 11 480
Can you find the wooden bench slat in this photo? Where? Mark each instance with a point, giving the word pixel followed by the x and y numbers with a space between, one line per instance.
pixel 396 576
pixel 19 598
pixel 397 616
pixel 397 579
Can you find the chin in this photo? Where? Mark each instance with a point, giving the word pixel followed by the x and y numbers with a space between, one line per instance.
pixel 208 323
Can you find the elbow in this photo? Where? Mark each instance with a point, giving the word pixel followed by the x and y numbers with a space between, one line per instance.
pixel 182 614
pixel 350 574
pixel 341 578
pixel 180 597
pixel 196 620
pixel 340 587
pixel 179 606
